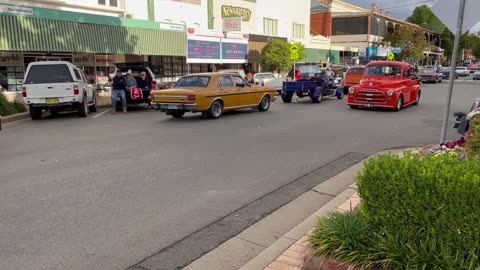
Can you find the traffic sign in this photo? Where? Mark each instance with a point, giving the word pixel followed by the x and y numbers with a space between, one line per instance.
pixel 294 48
pixel 294 56
pixel 391 56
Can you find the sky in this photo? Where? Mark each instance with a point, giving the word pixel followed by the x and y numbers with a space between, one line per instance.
pixel 399 9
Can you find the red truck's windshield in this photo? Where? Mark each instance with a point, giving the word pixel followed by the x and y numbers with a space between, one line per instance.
pixel 384 71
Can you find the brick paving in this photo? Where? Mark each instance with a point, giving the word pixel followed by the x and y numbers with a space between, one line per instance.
pixel 292 258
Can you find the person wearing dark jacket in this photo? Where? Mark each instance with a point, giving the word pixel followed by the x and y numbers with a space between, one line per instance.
pixel 144 82
pixel 119 84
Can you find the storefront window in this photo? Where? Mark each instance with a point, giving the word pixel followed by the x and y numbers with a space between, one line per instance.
pixel 11 71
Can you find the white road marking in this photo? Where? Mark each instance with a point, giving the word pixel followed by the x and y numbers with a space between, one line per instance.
pixel 95 116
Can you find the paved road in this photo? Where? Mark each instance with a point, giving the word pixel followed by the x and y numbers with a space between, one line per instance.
pixel 107 192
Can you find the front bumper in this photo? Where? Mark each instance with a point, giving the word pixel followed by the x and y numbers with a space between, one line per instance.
pixel 175 107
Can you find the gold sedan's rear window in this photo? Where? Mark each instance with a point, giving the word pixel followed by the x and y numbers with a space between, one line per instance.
pixel 193 81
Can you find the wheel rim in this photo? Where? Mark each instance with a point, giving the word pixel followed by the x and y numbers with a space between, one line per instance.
pixel 265 103
pixel 418 98
pixel 399 103
pixel 85 105
pixel 216 109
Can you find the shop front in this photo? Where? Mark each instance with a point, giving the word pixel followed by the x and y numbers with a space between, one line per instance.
pixel 217 51
pixel 93 42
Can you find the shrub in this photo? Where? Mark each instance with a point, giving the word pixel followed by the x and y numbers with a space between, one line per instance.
pixel 344 237
pixel 473 142
pixel 431 198
pixel 8 108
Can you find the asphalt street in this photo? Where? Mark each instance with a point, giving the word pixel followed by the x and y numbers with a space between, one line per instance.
pixel 107 191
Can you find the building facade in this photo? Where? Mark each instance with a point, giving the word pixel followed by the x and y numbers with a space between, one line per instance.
pixel 357 33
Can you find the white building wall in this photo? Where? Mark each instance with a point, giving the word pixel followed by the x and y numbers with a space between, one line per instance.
pixel 287 13
pixel 193 15
pixel 137 8
pixel 82 6
pixel 250 26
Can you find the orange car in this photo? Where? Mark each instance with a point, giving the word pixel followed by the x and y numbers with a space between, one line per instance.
pixel 353 77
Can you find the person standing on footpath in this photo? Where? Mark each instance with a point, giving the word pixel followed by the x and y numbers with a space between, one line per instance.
pixel 119 84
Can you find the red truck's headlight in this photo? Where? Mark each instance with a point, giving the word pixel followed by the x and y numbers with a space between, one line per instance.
pixel 390 93
pixel 351 90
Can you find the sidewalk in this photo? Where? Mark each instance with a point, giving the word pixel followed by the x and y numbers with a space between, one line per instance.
pixel 257 248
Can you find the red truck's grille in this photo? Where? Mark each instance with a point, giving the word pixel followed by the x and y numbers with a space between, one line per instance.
pixel 370 96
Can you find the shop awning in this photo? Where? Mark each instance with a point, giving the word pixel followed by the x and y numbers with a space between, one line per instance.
pixel 28 34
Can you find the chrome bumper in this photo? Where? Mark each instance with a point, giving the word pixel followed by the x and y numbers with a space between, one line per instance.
pixel 175 107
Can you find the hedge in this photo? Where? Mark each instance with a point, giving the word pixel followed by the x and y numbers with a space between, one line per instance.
pixel 433 197
pixel 8 108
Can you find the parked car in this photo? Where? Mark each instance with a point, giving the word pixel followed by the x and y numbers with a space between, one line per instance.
pixel 446 72
pixel 476 75
pixel 212 94
pixel 472 68
pixel 430 75
pixel 269 80
pixel 137 69
pixel 240 72
pixel 462 71
pixel 385 85
pixel 56 86
pixel 353 76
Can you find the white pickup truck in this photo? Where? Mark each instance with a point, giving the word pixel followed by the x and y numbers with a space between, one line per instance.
pixel 55 86
pixel 268 79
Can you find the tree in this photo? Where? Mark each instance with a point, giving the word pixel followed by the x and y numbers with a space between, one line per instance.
pixel 276 56
pixel 424 17
pixel 410 41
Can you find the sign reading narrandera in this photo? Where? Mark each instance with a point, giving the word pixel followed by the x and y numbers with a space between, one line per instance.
pixel 231 12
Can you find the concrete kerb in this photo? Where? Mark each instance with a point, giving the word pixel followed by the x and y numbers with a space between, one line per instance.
pixel 278 247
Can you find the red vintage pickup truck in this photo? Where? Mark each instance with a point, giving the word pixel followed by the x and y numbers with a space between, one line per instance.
pixel 386 84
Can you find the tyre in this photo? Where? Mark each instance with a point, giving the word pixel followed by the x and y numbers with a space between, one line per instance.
pixel 353 107
pixel 345 90
pixel 35 113
pixel 318 99
pixel 53 111
pixel 83 111
pixel 340 95
pixel 417 101
pixel 177 114
pixel 93 107
pixel 287 98
pixel 264 104
pixel 216 110
pixel 399 105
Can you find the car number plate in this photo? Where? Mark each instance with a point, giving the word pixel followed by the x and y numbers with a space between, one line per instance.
pixel 172 107
pixel 51 100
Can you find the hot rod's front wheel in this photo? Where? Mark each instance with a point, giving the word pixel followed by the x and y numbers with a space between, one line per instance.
pixel 399 105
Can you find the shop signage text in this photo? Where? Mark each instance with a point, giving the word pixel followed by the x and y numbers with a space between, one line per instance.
pixel 232 12
pixel 232 24
pixel 11 59
pixel 16 10
pixel 172 27
pixel 234 52
pixel 84 60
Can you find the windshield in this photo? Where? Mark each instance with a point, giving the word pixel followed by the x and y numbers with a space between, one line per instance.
pixel 384 70
pixel 426 71
pixel 49 74
pixel 356 70
pixel 309 69
pixel 193 81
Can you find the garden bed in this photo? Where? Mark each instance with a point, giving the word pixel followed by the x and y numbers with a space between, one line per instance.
pixel 420 211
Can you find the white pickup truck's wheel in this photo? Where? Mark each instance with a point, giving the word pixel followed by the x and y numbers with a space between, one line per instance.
pixel 83 111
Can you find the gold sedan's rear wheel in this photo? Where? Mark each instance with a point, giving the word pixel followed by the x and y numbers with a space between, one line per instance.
pixel 264 104
pixel 216 110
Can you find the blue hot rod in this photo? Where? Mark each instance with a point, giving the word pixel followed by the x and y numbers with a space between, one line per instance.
pixel 316 89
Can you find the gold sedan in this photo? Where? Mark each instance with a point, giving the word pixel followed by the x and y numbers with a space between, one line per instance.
pixel 211 94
